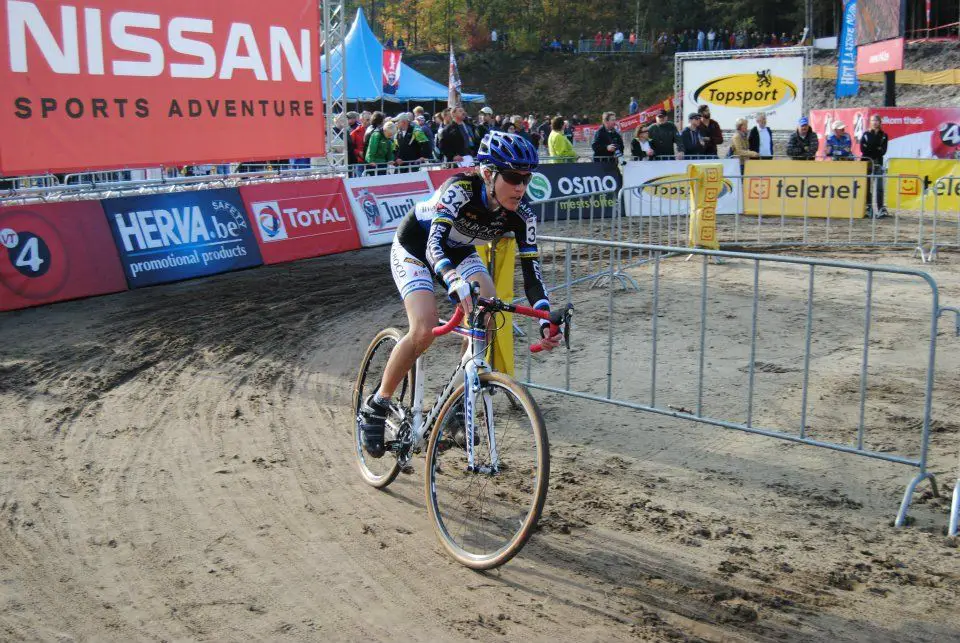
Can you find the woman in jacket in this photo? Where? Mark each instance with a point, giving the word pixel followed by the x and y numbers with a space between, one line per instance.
pixel 740 146
pixel 380 148
pixel 558 145
pixel 640 147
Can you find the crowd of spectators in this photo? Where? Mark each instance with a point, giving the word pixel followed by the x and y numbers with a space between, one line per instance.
pixel 721 39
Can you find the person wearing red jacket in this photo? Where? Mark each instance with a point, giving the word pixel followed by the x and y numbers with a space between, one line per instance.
pixel 357 135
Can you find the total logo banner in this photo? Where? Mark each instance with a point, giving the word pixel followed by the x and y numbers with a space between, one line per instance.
pixel 914 132
pixel 300 220
pixel 169 237
pixel 379 203
pixel 662 188
pixel 591 188
pixel 743 87
pixel 54 252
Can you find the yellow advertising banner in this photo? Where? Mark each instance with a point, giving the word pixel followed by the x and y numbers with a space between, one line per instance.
pixel 933 182
pixel 706 187
pixel 818 189
pixel 501 358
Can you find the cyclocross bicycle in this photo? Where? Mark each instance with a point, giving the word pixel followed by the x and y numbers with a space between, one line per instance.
pixel 488 458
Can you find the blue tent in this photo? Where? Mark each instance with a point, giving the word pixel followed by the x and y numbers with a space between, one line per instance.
pixel 364 65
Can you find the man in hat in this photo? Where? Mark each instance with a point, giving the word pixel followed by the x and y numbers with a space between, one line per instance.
pixel 484 124
pixel 803 144
pixel 839 144
pixel 691 137
pixel 665 139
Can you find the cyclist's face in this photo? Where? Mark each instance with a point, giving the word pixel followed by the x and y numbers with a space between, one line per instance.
pixel 509 194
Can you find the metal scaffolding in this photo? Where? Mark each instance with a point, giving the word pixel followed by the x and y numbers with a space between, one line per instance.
pixel 332 35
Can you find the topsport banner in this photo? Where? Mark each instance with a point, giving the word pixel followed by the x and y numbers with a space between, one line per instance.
pixel 169 237
pixel 915 132
pixel 742 87
pixel 662 188
pixel 301 219
pixel 581 182
pixel 56 251
pixel 128 83
pixel 379 203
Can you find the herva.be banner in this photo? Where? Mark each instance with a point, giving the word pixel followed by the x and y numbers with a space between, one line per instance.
pixel 379 203
pixel 169 237
pixel 300 220
pixel 54 252
pixel 560 191
pixel 662 188
pixel 127 83
pixel 743 87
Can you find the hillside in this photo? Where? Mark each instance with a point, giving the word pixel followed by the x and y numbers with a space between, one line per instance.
pixel 568 83
pixel 551 83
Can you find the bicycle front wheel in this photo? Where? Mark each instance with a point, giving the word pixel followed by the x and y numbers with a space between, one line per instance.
pixel 485 516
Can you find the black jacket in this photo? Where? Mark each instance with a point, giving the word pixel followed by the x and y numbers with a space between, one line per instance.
pixel 663 138
pixel 753 140
pixel 712 137
pixel 873 146
pixel 410 146
pixel 453 141
pixel 693 143
pixel 602 139
pixel 803 148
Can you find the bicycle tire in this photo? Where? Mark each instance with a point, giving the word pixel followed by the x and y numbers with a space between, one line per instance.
pixel 528 524
pixel 387 336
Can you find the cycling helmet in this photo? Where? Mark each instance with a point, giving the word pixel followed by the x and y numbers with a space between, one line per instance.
pixel 507 152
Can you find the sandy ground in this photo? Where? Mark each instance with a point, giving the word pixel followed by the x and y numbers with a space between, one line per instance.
pixel 176 463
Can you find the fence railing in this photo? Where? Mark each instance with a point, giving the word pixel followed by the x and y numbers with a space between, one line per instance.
pixel 694 320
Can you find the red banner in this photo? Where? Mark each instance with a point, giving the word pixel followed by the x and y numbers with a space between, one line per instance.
pixel 914 132
pixel 128 83
pixel 437 177
pixel 300 220
pixel 584 133
pixel 391 70
pixel 54 252
pixel 886 55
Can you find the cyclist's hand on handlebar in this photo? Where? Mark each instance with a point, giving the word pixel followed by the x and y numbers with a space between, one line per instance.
pixel 459 290
pixel 548 342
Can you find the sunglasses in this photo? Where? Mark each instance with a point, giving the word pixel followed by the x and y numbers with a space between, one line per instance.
pixel 516 178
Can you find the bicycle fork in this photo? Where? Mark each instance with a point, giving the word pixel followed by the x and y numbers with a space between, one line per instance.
pixel 472 392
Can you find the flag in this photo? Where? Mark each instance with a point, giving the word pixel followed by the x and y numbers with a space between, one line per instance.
pixel 391 70
pixel 454 85
pixel 847 82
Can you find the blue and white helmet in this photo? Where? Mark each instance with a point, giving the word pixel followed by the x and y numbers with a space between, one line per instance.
pixel 507 152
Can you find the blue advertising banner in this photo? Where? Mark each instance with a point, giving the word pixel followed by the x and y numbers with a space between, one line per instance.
pixel 586 189
pixel 847 82
pixel 170 237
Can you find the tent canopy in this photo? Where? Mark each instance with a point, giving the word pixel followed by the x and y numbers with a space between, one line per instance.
pixel 365 64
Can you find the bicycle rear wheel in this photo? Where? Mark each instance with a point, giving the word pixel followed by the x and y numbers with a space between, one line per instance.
pixel 379 472
pixel 484 519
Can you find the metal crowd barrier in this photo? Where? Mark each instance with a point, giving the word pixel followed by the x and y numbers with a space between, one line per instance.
pixel 814 422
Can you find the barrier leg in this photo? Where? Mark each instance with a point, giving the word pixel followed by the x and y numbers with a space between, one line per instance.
pixel 908 495
pixel 954 510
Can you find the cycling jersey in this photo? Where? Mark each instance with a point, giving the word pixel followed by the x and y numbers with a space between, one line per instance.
pixel 443 230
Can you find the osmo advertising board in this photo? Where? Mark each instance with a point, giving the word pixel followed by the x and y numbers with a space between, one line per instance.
pixel 169 237
pixel 125 83
pixel 742 87
pixel 380 202
pixel 662 188
pixel 584 189
pixel 54 252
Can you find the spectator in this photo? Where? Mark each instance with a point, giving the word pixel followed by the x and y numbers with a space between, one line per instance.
pixel 711 39
pixel 740 146
pixel 493 38
pixel 575 120
pixel 454 140
pixel 839 145
pixel 358 136
pixel 803 143
pixel 427 130
pixel 510 128
pixel 380 149
pixel 761 138
pixel 484 125
pixel 607 142
pixel 401 45
pixel 352 119
pixel 633 41
pixel 412 144
pixel 558 146
pixel 633 108
pixel 873 147
pixel 598 41
pixel 389 43
pixel 376 121
pixel 544 130
pixel 640 148
pixel 701 37
pixel 712 134
pixel 617 40
pixel 664 138
pixel 690 137
pixel 608 41
pixel 568 131
pixel 556 45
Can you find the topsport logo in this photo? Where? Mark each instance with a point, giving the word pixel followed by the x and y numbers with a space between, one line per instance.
pixel 759 90
pixel 269 222
pixel 675 187
pixel 539 188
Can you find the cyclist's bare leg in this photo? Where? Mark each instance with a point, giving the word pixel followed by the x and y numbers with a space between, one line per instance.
pixel 421 307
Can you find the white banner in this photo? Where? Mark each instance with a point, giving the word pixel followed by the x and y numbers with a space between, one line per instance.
pixel 379 203
pixel 661 188
pixel 743 87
